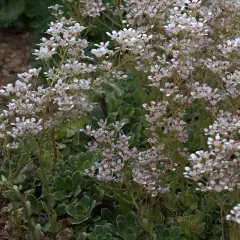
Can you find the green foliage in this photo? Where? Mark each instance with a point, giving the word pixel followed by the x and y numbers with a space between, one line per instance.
pixel 124 228
pixel 10 10
pixel 162 233
pixel 29 13
pixel 92 211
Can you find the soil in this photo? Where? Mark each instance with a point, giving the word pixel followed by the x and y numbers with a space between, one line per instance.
pixel 15 50
pixel 3 218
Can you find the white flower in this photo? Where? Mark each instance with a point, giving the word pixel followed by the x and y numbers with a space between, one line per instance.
pixel 102 50
pixel 234 214
pixel 23 126
pixel 44 53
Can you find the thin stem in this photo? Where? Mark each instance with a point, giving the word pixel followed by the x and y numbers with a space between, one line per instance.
pixel 140 87
pixel 105 24
pixel 54 146
pixel 105 15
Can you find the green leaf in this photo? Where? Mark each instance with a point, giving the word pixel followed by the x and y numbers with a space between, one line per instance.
pixel 86 164
pixel 98 230
pixel 120 218
pixel 123 205
pixel 159 228
pixel 70 133
pixel 107 214
pixel 125 121
pixel 77 191
pixel 59 183
pixel 33 200
pixel 52 200
pixel 206 123
pixel 77 178
pixel 200 228
pixel 68 173
pixel 79 208
pixel 45 207
pixel 90 155
pixel 40 206
pixel 199 216
pixel 61 146
pixel 117 89
pixel 38 230
pixel 80 219
pixel 111 119
pixel 166 233
pixel 9 194
pixel 175 232
pixel 73 158
pixel 93 204
pixel 131 220
pixel 60 210
pixel 71 211
pixel 85 201
pixel 82 157
pixel 20 179
pixel 112 228
pixel 98 113
pixel 61 195
pixel 68 183
pixel 130 237
pixel 121 227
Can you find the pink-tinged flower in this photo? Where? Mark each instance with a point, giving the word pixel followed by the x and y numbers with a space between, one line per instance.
pixel 44 53
pixel 102 50
pixel 26 76
pixel 169 89
pixel 114 149
pixel 93 8
pixel 55 28
pixel 131 39
pixel 23 127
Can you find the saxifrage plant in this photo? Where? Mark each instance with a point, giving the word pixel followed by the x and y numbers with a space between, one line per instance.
pixel 136 137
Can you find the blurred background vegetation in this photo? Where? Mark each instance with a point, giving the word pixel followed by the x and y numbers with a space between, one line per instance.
pixel 26 13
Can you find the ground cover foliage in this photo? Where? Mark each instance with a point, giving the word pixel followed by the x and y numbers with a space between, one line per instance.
pixel 134 133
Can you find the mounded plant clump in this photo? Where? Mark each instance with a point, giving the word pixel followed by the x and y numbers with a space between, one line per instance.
pixel 130 129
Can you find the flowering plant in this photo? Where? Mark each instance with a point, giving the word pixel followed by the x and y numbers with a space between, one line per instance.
pixel 138 132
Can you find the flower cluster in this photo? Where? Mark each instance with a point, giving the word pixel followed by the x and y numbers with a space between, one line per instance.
pixel 206 93
pixel 69 80
pixel 140 12
pixel 21 126
pixel 232 82
pixel 231 46
pixel 112 147
pixel 131 39
pixel 220 166
pixel 149 169
pixel 159 120
pixel 226 124
pixel 179 21
pixel 234 214
pixel 93 8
